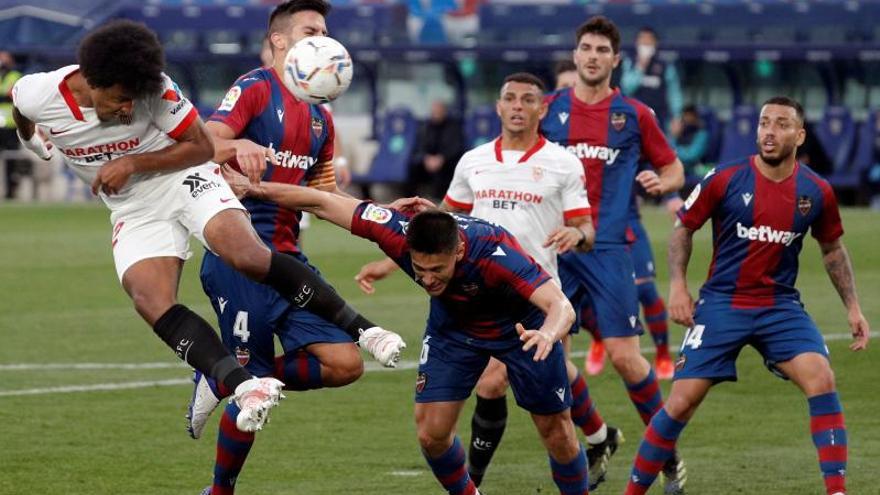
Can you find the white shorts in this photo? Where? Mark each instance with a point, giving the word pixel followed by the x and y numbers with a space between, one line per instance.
pixel 162 212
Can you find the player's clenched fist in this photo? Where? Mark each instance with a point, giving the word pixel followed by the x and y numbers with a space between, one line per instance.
pixel 113 175
pixel 681 305
pixel 252 157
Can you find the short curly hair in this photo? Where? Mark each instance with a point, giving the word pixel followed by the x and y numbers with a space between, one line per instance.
pixel 601 26
pixel 282 12
pixel 126 53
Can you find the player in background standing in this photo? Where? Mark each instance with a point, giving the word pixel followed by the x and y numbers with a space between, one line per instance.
pixel 761 209
pixel 488 296
pixel 123 126
pixel 258 119
pixel 653 307
pixel 610 133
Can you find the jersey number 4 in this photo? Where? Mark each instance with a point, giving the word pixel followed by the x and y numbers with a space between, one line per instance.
pixel 694 337
pixel 240 327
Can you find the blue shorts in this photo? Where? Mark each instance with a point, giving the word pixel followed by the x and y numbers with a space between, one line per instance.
pixel 602 281
pixel 640 250
pixel 449 370
pixel 250 314
pixel 779 333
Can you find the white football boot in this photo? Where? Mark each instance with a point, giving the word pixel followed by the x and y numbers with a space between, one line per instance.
pixel 384 345
pixel 255 397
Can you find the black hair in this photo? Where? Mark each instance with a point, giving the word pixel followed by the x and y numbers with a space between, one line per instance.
pixel 602 26
pixel 126 53
pixel 788 102
pixel 285 10
pixel 432 232
pixel 649 30
pixel 690 108
pixel 564 65
pixel 526 78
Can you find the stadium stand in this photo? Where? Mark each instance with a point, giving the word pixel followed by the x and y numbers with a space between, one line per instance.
pixel 397 136
pixel 739 134
pixel 481 125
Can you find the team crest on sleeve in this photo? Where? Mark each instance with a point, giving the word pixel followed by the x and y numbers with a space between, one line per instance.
pixel 805 204
pixel 317 126
pixel 376 214
pixel 618 120
pixel 692 198
pixel 230 99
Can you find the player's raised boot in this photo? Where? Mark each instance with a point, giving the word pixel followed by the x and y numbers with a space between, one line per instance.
pixel 595 358
pixel 664 367
pixel 205 398
pixel 674 475
pixel 255 397
pixel 599 456
pixel 383 345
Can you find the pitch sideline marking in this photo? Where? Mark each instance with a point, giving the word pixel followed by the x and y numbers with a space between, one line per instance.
pixel 370 366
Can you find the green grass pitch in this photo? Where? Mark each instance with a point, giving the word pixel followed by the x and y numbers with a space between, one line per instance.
pixel 62 307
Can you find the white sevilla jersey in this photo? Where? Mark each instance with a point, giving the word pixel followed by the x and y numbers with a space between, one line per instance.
pixel 530 193
pixel 84 141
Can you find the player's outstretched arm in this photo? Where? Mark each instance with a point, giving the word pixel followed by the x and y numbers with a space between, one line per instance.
pixel 250 156
pixel 559 318
pixel 839 267
pixel 331 207
pixel 681 305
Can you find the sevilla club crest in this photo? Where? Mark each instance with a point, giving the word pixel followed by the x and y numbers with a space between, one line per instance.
pixel 618 120
pixel 805 204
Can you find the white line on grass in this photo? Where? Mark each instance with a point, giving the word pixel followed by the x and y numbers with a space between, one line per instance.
pixel 369 366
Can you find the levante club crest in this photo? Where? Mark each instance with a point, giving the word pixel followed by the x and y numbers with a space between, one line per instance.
pixel 805 204
pixel 618 120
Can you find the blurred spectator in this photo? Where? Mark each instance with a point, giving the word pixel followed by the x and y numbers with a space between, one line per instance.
pixel 691 140
pixel 439 146
pixel 566 74
pixel 15 169
pixel 651 80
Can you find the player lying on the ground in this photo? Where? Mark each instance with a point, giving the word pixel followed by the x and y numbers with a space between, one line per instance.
pixel 487 297
pixel 761 209
pixel 122 125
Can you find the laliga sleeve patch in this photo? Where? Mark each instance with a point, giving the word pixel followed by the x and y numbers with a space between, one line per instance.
pixel 692 198
pixel 376 214
pixel 230 99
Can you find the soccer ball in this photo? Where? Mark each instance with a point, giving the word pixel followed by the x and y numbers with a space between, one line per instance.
pixel 317 69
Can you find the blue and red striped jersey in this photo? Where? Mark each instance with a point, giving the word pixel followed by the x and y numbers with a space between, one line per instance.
pixel 489 292
pixel 260 108
pixel 758 228
pixel 609 138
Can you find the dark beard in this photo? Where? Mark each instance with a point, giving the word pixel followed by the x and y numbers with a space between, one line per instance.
pixel 773 162
pixel 125 119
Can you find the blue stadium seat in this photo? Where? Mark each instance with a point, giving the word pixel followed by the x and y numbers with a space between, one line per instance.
pixel 481 126
pixel 836 132
pixel 863 157
pixel 739 134
pixel 396 141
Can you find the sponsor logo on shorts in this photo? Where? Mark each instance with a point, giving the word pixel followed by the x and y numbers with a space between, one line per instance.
pixel 421 381
pixel 679 363
pixel 560 392
pixel 199 185
pixel 243 355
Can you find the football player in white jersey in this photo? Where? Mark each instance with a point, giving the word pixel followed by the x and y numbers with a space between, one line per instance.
pixel 122 124
pixel 536 190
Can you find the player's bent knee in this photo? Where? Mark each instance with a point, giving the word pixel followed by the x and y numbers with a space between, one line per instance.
pixel 151 306
pixel 493 386
pixel 681 407
pixel 341 374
